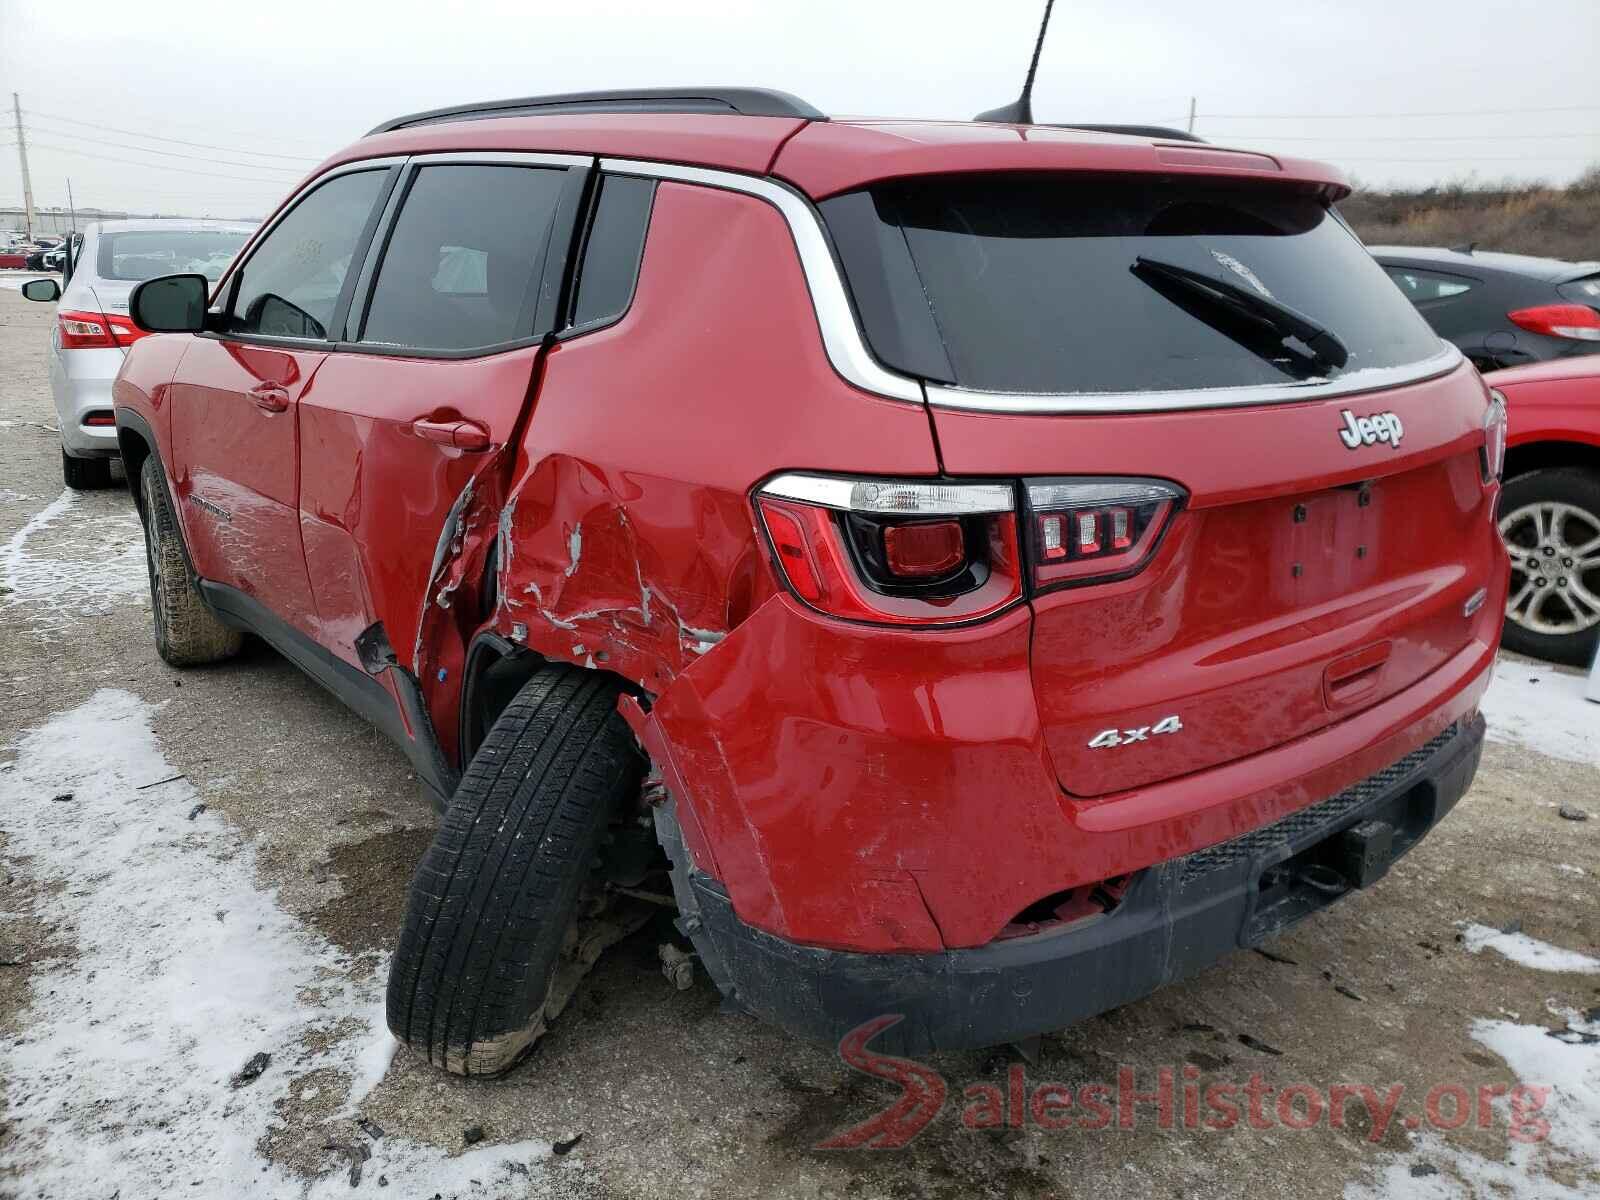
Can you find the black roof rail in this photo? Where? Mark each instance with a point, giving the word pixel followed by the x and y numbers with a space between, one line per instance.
pixel 1148 131
pixel 749 102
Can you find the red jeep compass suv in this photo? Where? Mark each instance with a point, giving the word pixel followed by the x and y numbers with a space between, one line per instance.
pixel 1004 568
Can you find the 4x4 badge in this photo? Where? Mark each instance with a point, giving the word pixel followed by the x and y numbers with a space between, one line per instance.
pixel 1364 431
pixel 1121 737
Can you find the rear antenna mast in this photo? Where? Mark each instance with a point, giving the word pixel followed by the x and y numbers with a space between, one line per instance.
pixel 1020 110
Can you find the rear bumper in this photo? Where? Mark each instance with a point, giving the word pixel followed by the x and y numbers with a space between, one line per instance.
pixel 1177 918
pixel 80 383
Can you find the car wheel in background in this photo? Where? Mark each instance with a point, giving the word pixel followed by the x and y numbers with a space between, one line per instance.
pixel 187 632
pixel 506 912
pixel 1550 523
pixel 85 474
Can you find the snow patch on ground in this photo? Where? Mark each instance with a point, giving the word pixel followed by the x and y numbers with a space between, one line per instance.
pixel 1561 1087
pixel 71 561
pixel 183 968
pixel 1527 951
pixel 1542 709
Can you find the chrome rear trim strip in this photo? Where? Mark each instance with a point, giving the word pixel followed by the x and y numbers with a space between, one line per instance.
pixel 1370 380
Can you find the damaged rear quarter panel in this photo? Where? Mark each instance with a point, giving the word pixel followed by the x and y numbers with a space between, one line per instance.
pixel 627 539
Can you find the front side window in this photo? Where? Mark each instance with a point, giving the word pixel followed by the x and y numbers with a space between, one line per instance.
pixel 1421 287
pixel 1068 283
pixel 464 261
pixel 147 253
pixel 290 285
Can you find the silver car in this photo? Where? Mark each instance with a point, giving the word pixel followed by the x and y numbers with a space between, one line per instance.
pixel 92 330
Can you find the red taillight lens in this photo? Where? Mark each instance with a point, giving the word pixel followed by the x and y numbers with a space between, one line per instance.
pixel 926 550
pixel 1091 530
pixel 1559 320
pixel 83 331
pixel 786 527
pixel 897 552
pixel 99 420
pixel 124 331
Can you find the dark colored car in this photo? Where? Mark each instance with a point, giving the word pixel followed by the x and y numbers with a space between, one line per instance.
pixel 1503 310
pixel 1550 508
pixel 980 573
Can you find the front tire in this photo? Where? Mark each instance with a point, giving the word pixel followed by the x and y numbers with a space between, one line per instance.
pixel 505 914
pixel 85 474
pixel 1550 523
pixel 187 632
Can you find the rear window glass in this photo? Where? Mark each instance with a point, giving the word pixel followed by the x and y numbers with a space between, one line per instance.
pixel 1091 284
pixel 146 254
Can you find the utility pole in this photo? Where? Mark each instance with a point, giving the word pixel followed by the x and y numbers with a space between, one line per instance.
pixel 22 153
pixel 1191 114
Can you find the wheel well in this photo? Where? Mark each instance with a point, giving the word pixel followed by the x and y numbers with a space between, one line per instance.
pixel 496 672
pixel 134 451
pixel 1538 456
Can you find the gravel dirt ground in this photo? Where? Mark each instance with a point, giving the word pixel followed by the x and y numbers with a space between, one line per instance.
pixel 127 1004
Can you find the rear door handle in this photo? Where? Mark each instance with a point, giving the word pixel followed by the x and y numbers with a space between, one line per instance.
pixel 461 435
pixel 269 397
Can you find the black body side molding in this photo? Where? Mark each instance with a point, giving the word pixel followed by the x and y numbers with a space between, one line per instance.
pixel 360 690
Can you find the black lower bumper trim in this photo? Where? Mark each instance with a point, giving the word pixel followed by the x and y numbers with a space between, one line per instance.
pixel 1176 918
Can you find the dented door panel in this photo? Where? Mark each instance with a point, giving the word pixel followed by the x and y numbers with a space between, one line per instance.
pixel 392 519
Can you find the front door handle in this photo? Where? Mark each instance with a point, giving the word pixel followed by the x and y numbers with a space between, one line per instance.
pixel 461 435
pixel 269 397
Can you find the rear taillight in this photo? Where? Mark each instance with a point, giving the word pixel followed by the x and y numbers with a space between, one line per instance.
pixel 1092 530
pixel 1559 320
pixel 899 552
pixel 102 419
pixel 96 331
pixel 125 331
pixel 83 331
pixel 1494 436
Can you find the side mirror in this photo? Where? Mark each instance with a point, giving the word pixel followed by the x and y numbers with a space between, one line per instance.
pixel 170 304
pixel 45 291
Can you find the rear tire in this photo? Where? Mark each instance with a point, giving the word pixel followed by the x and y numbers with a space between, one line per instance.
pixel 504 915
pixel 187 632
pixel 1552 518
pixel 85 474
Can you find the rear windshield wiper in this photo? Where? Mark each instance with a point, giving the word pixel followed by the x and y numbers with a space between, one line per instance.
pixel 1284 321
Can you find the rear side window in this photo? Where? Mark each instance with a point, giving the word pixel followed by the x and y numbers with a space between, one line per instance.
pixel 1078 283
pixel 1421 287
pixel 1584 291
pixel 613 250
pixel 464 261
pixel 290 285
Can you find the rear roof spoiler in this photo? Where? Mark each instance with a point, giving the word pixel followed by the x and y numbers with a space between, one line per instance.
pixel 748 102
pixel 1159 132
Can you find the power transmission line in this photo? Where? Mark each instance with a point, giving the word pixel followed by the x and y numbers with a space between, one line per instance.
pixel 158 166
pixel 221 162
pixel 1459 137
pixel 32 112
pixel 1327 116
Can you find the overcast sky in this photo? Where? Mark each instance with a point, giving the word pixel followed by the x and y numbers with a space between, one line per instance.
pixel 249 95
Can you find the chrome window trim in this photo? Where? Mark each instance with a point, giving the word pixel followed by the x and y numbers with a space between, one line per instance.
pixel 841 336
pixel 510 158
pixel 1372 379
